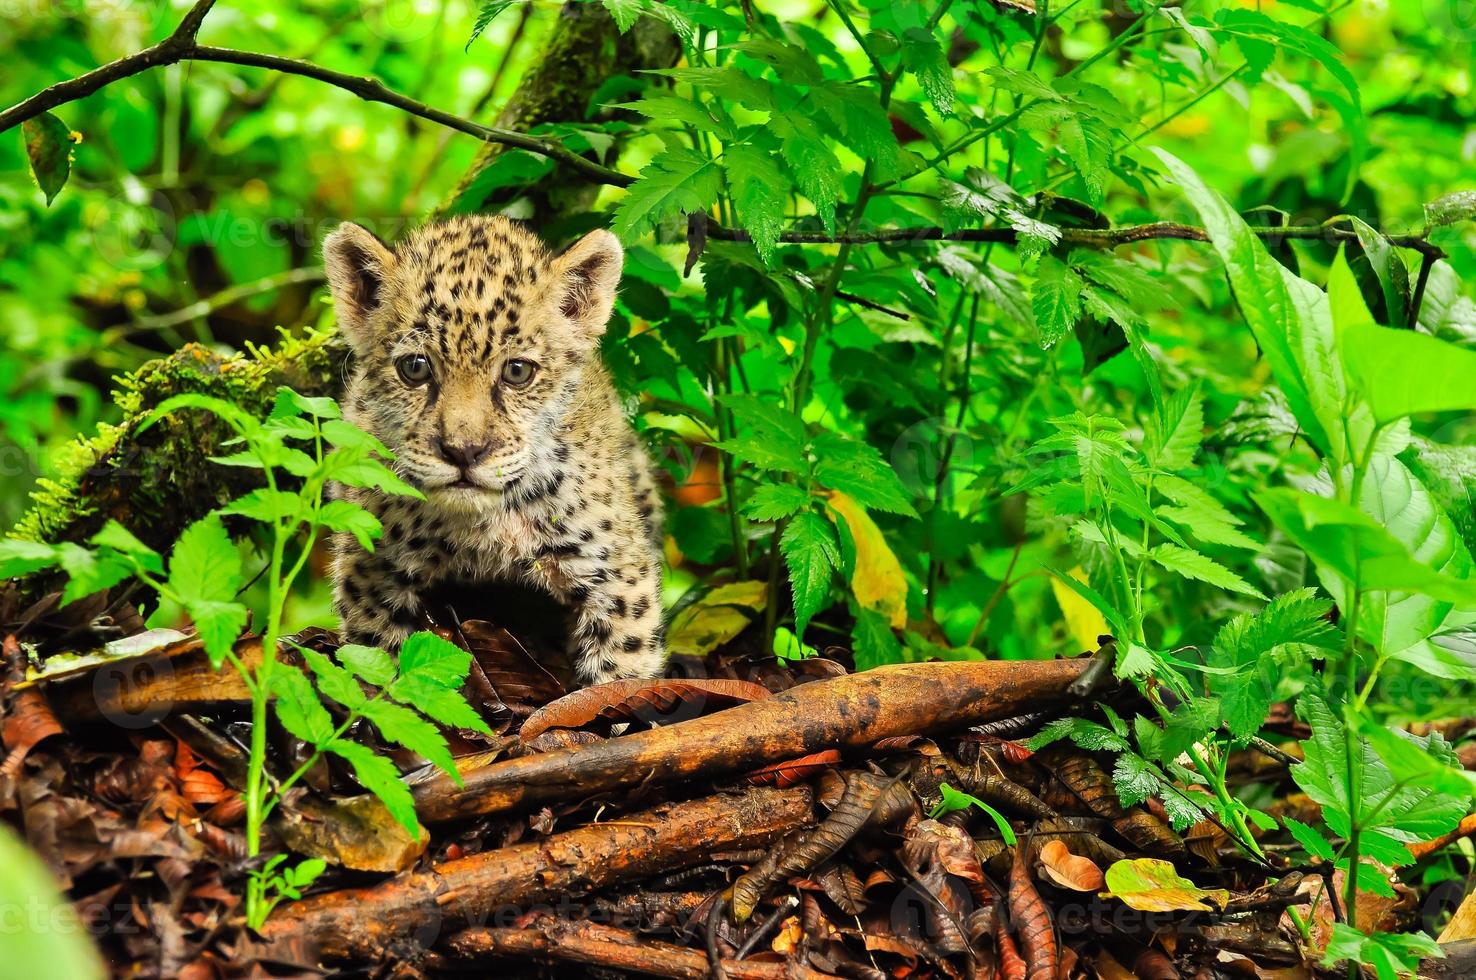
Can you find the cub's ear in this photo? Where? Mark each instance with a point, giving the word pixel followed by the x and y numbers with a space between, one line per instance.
pixel 358 265
pixel 586 276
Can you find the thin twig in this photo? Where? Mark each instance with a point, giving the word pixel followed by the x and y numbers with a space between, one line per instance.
pixel 1427 262
pixel 1087 237
pixel 226 297
pixel 181 46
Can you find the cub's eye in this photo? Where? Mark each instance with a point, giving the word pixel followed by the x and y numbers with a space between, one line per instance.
pixel 518 372
pixel 415 369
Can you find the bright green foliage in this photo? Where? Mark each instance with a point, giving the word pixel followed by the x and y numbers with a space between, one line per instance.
pixel 1222 452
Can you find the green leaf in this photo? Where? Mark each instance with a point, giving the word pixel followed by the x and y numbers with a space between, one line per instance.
pixel 46 937
pixel 232 414
pixel 205 564
pixel 1023 83
pixel 811 553
pixel 775 501
pixel 1312 842
pixel 219 623
pixel 924 57
pixel 1087 734
pixel 1192 564
pixel 19 557
pixel 402 726
pixel 811 162
pixel 1402 372
pixel 625 12
pixel 1177 431
pixel 89 571
pixel 874 642
pixel 425 655
pixel 298 708
pixel 49 145
pixel 677 180
pixel 318 407
pixel 117 537
pixel 760 191
pixel 1349 546
pixel 379 776
pixel 1055 298
pixel 1250 651
pixel 346 435
pixel 954 800
pixel 1288 316
pixel 351 468
pixel 487 12
pixel 369 663
pixel 334 681
pixel 443 704
pixel 865 129
pixel 857 469
pixel 345 515
pixel 1389 268
pixel 266 505
pixel 772 438
pixel 1451 209
pixel 1109 613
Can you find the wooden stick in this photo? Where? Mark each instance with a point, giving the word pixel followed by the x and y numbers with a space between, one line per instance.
pixel 498 887
pixel 555 941
pixel 853 711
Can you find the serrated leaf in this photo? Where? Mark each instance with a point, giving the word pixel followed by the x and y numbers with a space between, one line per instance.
pixel 677 180
pixel 775 501
pixel 1312 842
pixel 117 537
pixel 435 701
pixel 1177 431
pixel 345 515
pixel 205 563
pixel 811 554
pixel 759 191
pixel 369 663
pixel 874 643
pixel 1055 299
pixel 427 656
pixel 625 12
pixel 399 724
pixel 857 469
pixel 1192 564
pixel 379 776
pixel 333 680
pixel 813 164
pixel 298 708
pixel 924 57
pixel 1450 209
pixel 266 505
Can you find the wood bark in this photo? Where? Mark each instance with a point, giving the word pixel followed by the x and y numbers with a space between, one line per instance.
pixel 593 944
pixel 581 51
pixel 853 711
pixel 498 886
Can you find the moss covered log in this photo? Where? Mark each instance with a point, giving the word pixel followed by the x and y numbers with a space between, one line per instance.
pixel 157 481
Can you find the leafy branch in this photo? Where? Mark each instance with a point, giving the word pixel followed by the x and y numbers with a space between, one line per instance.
pixel 181 46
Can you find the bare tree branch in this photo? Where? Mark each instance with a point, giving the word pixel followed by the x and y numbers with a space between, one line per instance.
pixel 181 46
pixel 1088 237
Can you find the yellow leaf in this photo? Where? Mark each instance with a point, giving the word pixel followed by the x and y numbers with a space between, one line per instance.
pixel 1151 885
pixel 716 618
pixel 1083 621
pixel 878 582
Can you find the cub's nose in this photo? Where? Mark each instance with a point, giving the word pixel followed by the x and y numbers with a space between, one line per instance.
pixel 464 455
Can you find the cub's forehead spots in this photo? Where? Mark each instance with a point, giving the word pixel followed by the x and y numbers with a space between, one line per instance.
pixel 464 284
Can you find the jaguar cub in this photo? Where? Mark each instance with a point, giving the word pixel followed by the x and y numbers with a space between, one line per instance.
pixel 476 361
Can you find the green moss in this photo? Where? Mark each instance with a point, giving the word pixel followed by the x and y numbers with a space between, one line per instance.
pixel 157 481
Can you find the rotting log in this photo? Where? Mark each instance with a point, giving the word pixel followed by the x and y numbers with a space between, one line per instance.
pixel 494 886
pixel 593 944
pixel 852 711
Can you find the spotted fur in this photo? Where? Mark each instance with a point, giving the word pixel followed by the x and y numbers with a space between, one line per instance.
pixel 544 483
